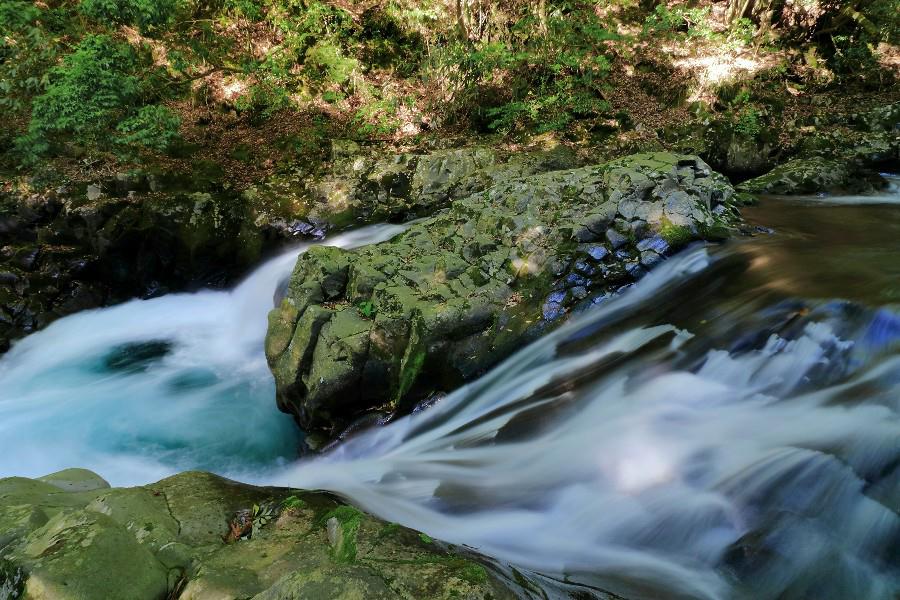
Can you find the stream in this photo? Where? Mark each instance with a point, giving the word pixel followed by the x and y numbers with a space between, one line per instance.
pixel 728 427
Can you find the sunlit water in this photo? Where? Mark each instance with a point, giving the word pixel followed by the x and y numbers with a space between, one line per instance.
pixel 727 428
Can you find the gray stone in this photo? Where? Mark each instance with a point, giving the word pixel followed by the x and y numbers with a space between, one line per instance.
pixel 496 267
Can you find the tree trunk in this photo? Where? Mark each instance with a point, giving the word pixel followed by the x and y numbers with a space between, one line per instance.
pixel 540 11
pixel 763 12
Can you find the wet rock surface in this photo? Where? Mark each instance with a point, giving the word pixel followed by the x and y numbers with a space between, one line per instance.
pixel 380 328
pixel 840 154
pixel 61 252
pixel 69 536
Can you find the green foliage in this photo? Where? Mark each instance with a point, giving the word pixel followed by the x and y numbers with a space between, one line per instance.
pixel 748 122
pixel 692 20
pixel 376 118
pixel 154 127
pixel 473 573
pixel 427 539
pixel 27 50
pixel 534 80
pixel 853 55
pixel 86 95
pixel 249 9
pixel 144 14
pixel 325 62
pixel 263 514
pixel 741 32
pixel 292 503
pixel 387 39
pixel 312 57
pixel 885 17
pixel 264 99
pixel 367 309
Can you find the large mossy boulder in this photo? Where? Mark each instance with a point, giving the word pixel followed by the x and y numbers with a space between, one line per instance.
pixel 69 536
pixel 141 234
pixel 382 327
pixel 815 175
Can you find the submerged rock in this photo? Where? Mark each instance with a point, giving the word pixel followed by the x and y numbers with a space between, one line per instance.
pixel 382 327
pixel 68 536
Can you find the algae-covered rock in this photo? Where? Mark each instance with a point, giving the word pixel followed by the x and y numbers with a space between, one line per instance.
pixel 815 175
pixel 168 540
pixel 361 188
pixel 382 327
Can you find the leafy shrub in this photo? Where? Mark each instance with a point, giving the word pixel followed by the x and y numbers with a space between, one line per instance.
pixel 748 122
pixel 853 54
pixel 693 21
pixel 385 40
pixel 90 91
pixel 142 13
pixel 326 62
pixel 540 81
pixel 154 127
pixel 245 8
pixel 265 98
pixel 741 32
pixel 26 52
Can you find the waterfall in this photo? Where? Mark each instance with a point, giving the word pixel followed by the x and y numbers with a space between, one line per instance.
pixel 147 388
pixel 724 428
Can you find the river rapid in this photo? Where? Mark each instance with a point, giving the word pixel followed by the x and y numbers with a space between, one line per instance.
pixel 728 427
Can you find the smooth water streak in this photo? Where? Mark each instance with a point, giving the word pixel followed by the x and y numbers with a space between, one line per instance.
pixel 622 457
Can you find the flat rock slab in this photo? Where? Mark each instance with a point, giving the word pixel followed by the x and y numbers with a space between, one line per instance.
pixel 379 328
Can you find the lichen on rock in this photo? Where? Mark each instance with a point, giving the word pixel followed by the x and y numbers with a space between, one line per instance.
pixel 360 187
pixel 815 175
pixel 68 536
pixel 457 292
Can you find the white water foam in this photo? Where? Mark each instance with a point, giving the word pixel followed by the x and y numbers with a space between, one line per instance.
pixel 603 454
pixel 207 403
pixel 644 478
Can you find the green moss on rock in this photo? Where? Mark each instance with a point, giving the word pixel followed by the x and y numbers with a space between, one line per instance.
pixel 815 175
pixel 166 540
pixel 462 290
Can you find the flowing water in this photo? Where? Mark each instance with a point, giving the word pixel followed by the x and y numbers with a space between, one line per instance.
pixel 148 388
pixel 729 427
